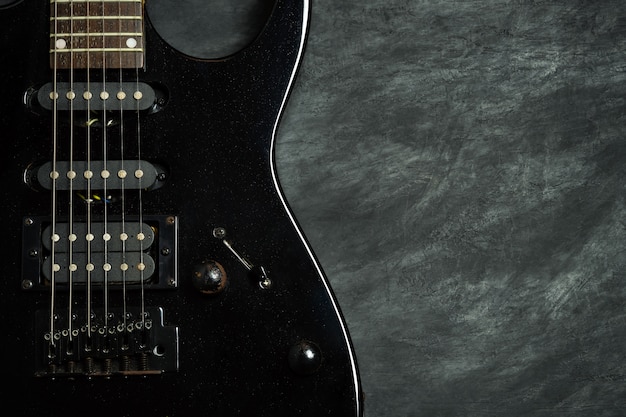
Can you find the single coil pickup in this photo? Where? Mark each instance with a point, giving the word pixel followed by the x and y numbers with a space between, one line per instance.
pixel 131 341
pixel 116 236
pixel 95 175
pixel 118 267
pixel 97 96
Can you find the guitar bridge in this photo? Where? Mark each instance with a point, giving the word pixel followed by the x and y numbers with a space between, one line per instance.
pixel 128 343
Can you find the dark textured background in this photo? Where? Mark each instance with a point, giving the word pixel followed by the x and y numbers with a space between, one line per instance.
pixel 458 167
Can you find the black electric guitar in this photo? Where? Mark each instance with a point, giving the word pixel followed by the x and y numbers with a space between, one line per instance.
pixel 150 263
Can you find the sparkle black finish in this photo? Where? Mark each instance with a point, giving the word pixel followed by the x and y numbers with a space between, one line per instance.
pixel 213 133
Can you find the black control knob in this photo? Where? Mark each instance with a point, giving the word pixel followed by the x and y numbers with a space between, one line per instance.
pixel 305 358
pixel 209 277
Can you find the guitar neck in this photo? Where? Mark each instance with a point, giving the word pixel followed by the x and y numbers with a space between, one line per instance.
pixel 96 34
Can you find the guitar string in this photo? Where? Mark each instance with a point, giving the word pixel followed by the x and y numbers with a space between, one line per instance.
pixel 70 174
pixel 53 177
pixel 124 234
pixel 104 175
pixel 139 175
pixel 89 265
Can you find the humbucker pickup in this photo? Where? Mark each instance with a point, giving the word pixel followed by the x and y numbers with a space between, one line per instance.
pixel 114 254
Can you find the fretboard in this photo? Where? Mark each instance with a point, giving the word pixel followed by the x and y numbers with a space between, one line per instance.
pixel 96 34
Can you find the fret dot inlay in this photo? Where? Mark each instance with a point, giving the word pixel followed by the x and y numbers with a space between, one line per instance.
pixel 96 34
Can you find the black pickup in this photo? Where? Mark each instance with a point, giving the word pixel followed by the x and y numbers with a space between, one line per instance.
pixel 147 255
pixel 97 96
pixel 96 175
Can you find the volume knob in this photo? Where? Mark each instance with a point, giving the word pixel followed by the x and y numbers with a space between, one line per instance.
pixel 305 358
pixel 209 277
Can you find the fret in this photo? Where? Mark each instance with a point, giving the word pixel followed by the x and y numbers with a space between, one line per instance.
pixel 79 18
pixel 95 1
pixel 75 50
pixel 96 34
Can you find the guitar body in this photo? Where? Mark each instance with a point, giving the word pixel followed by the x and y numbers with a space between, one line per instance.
pixel 226 311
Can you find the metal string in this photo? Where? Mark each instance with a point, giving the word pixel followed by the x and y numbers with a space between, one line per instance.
pixel 124 235
pixel 139 175
pixel 105 174
pixel 53 176
pixel 71 175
